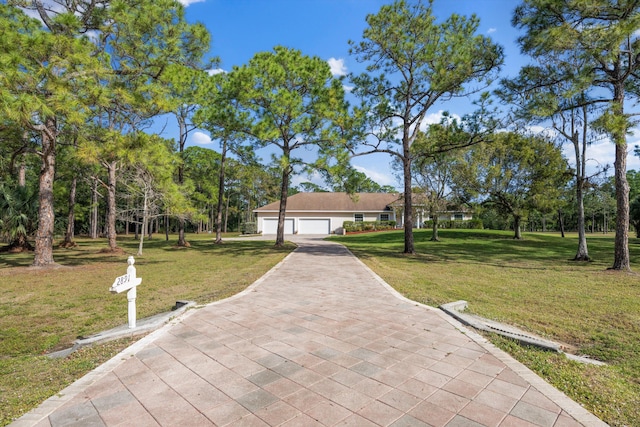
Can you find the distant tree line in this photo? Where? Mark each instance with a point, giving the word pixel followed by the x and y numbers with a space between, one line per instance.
pixel 84 87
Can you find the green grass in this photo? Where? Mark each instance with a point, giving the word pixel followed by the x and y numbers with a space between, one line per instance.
pixel 532 284
pixel 42 310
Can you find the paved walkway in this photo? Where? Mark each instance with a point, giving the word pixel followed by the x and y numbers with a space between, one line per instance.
pixel 320 340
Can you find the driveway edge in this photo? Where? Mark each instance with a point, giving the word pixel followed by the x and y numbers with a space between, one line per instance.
pixel 567 404
pixel 47 407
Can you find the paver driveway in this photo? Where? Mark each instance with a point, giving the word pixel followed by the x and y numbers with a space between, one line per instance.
pixel 318 341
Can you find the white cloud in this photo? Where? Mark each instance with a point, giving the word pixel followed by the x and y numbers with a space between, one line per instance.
pixel 186 3
pixel 435 118
pixel 52 7
pixel 216 71
pixel 32 14
pixel 93 35
pixel 337 67
pixel 543 131
pixel 378 177
pixel 603 153
pixel 491 30
pixel 348 89
pixel 599 154
pixel 313 177
pixel 200 138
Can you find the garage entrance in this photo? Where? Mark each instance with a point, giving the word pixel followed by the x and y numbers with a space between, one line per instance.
pixel 270 226
pixel 314 226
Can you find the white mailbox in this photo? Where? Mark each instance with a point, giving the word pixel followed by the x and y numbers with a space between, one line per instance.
pixel 129 282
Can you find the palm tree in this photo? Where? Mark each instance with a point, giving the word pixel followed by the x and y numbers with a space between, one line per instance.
pixel 18 213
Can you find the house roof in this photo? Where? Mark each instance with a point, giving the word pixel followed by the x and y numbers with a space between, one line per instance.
pixel 335 202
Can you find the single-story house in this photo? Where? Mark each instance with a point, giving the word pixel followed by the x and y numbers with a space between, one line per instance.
pixel 421 212
pixel 452 215
pixel 324 213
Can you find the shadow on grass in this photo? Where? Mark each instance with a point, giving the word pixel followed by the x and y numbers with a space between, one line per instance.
pixel 91 251
pixel 536 251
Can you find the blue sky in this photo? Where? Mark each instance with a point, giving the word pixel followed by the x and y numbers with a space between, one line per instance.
pixel 241 28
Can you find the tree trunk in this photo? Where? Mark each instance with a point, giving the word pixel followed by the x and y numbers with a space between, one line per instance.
pixel 127 217
pixel 44 236
pixel 621 248
pixel 226 215
pixel 111 203
pixel 284 191
pixel 516 227
pixel 93 233
pixel 561 223
pixel 434 232
pixel 211 218
pixel 223 156
pixel 408 205
pixel 583 251
pixel 144 224
pixel 22 173
pixel 181 239
pixel 166 227
pixel 181 143
pixel 70 234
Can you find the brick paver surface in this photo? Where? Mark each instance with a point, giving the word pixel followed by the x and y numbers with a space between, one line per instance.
pixel 318 341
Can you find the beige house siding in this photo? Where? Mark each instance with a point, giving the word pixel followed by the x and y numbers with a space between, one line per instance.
pixel 336 208
pixel 336 219
pixel 451 216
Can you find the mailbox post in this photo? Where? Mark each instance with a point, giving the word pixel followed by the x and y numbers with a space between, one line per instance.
pixel 129 282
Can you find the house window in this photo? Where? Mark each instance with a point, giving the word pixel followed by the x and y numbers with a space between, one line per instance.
pixel 358 217
pixel 384 217
pixel 458 217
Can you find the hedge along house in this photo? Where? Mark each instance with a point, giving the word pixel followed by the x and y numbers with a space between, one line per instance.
pixel 421 212
pixel 324 213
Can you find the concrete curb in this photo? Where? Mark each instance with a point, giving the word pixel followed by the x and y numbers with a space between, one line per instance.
pixel 456 310
pixel 143 326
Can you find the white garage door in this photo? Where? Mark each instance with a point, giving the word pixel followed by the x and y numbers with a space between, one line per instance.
pixel 314 226
pixel 270 226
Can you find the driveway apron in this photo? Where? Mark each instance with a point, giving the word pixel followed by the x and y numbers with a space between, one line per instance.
pixel 320 340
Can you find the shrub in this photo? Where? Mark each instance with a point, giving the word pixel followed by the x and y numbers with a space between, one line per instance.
pixel 249 228
pixel 475 224
pixel 352 226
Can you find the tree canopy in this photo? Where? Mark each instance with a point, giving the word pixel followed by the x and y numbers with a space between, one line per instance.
pixel 288 101
pixel 81 84
pixel 515 174
pixel 601 37
pixel 412 62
